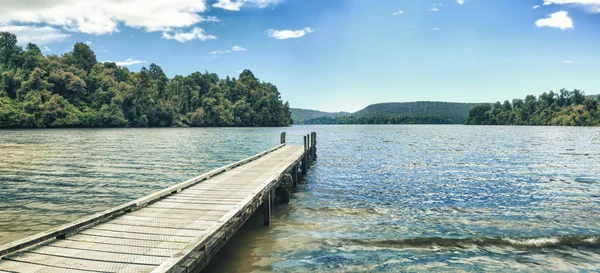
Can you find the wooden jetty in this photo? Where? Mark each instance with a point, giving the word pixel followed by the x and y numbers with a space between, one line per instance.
pixel 178 229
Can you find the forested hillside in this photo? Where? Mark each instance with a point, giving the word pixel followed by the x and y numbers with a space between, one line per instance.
pixel 75 90
pixel 380 120
pixel 299 116
pixel 571 108
pixel 456 112
pixel 419 112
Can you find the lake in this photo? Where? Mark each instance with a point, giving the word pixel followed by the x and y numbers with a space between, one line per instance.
pixel 380 198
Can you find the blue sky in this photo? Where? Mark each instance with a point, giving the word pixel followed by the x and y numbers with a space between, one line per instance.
pixel 338 55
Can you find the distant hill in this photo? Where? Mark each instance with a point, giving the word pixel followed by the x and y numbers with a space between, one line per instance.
pixel 453 111
pixel 299 116
pixel 391 113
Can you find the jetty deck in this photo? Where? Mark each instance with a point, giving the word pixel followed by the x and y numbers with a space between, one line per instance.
pixel 178 229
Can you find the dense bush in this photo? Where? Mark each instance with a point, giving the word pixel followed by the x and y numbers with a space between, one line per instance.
pixel 75 90
pixel 571 108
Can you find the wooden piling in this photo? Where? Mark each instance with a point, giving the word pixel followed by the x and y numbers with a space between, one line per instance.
pixel 305 157
pixel 266 207
pixel 282 138
pixel 285 188
pixel 295 176
pixel 314 146
pixel 308 152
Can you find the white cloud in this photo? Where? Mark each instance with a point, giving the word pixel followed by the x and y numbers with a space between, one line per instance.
pixel 236 5
pixel 182 37
pixel 536 6
pixel 219 52
pixel 38 35
pixel 559 20
pixel 127 62
pixel 398 12
pixel 434 9
pixel 104 16
pixel 592 6
pixel 229 5
pixel 46 49
pixel 227 51
pixel 89 43
pixel 435 29
pixel 460 2
pixel 567 61
pixel 288 34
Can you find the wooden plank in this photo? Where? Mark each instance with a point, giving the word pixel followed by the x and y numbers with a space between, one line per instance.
pixel 176 214
pixel 203 200
pixel 122 242
pixel 164 217
pixel 227 200
pixel 15 266
pixel 142 230
pixel 190 224
pixel 97 255
pixel 208 207
pixel 149 230
pixel 62 230
pixel 138 250
pixel 124 234
pixel 74 263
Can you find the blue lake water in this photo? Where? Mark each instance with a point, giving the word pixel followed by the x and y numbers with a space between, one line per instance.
pixel 379 199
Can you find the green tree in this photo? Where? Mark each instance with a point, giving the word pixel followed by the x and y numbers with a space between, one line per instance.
pixel 74 90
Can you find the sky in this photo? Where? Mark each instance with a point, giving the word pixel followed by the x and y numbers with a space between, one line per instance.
pixel 337 55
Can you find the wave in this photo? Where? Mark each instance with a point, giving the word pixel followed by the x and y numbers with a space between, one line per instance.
pixel 592 241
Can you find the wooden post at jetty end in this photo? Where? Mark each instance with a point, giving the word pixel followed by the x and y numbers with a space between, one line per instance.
pixel 305 157
pixel 314 146
pixel 282 138
pixel 308 152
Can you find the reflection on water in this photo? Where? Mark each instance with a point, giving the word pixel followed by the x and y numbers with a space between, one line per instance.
pixel 380 198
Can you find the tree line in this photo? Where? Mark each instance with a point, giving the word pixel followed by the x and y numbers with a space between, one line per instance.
pixel 75 90
pixel 569 108
pixel 380 120
pixel 453 111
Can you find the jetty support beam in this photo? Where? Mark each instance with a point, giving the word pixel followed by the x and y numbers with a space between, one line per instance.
pixel 267 210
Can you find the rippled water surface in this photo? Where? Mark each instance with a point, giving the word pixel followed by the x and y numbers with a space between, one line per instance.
pixel 379 198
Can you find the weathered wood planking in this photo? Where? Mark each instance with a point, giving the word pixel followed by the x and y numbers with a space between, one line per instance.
pixel 177 229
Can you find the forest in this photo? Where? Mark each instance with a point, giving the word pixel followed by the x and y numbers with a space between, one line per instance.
pixel 75 90
pixel 455 111
pixel 300 116
pixel 417 112
pixel 567 108
pixel 380 120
